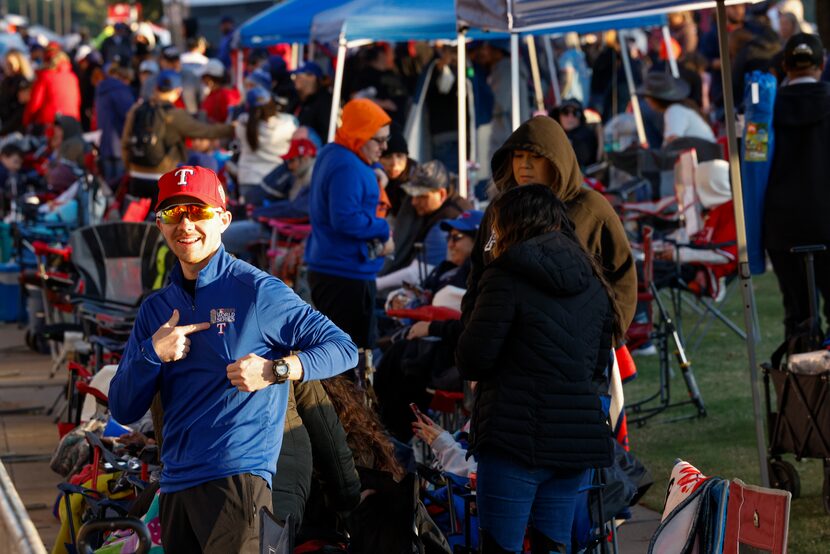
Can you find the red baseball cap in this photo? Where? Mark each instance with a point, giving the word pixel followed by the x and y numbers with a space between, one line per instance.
pixel 300 147
pixel 190 184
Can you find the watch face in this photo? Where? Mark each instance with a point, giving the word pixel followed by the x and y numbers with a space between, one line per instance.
pixel 280 369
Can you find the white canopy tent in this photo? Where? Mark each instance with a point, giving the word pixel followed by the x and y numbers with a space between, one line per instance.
pixel 518 16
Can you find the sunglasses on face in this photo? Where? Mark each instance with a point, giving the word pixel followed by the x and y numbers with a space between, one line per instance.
pixel 194 212
pixel 569 111
pixel 455 237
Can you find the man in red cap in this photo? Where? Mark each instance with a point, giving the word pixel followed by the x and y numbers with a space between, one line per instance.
pixel 291 185
pixel 216 345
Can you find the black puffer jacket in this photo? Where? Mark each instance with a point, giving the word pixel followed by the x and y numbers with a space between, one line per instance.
pixel 536 340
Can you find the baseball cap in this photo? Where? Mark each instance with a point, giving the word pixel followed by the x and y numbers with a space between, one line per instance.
pixel 148 66
pixel 261 78
pixel 309 68
pixel 426 178
pixel 171 53
pixel 803 51
pixel 257 96
pixel 467 222
pixel 168 80
pixel 214 68
pixel 300 147
pixel 190 184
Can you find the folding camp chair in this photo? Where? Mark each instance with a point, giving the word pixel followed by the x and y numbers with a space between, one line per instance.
pixel 683 209
pixel 757 519
pixel 119 263
pixel 663 332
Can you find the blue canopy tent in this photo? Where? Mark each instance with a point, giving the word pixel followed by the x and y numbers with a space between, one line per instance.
pixel 288 21
pixel 517 16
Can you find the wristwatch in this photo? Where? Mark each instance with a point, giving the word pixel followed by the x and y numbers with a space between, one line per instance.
pixel 281 370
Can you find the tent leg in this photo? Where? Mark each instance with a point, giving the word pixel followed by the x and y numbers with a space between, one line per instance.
pixel 670 52
pixel 463 185
pixel 240 70
pixel 554 75
pixel 534 69
pixel 338 87
pixel 622 37
pixel 516 117
pixel 743 255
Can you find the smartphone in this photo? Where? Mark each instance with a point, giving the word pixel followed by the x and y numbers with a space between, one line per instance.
pixel 414 407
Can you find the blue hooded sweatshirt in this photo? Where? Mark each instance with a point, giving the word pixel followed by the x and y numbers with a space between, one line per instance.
pixel 113 99
pixel 343 202
pixel 211 429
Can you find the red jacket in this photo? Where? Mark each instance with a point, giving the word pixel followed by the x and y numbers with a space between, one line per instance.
pixel 217 103
pixel 55 91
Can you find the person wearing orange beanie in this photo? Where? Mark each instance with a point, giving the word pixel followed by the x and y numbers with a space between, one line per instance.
pixel 348 240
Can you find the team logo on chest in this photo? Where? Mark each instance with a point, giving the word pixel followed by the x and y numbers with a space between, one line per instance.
pixel 221 317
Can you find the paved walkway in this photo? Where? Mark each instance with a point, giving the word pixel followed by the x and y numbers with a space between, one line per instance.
pixel 28 439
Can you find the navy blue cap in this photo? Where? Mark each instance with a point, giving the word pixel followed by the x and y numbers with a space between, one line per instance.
pixel 257 96
pixel 168 80
pixel 468 222
pixel 309 68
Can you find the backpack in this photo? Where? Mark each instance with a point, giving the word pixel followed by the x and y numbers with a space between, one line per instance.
pixel 147 144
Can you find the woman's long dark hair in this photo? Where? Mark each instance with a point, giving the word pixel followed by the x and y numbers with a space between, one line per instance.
pixel 525 212
pixel 255 115
pixel 365 434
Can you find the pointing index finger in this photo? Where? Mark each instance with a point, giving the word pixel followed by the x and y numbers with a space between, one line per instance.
pixel 194 327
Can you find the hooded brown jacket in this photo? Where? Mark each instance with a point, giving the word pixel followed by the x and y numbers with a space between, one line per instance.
pixel 596 224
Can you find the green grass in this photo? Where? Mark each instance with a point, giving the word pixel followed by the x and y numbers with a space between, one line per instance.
pixel 723 443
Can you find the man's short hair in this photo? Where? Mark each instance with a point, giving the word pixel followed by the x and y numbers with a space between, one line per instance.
pixel 11 149
pixel 803 51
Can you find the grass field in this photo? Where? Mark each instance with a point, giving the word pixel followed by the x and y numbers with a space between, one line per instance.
pixel 723 443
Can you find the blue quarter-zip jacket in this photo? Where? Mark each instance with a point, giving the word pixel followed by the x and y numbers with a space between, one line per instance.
pixel 211 429
pixel 343 202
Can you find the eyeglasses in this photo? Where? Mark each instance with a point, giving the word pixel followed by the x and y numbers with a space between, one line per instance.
pixel 194 212
pixel 381 140
pixel 455 237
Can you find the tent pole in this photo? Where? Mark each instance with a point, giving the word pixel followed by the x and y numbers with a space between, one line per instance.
pixel 514 81
pixel 463 185
pixel 534 69
pixel 554 75
pixel 240 68
pixel 338 86
pixel 300 54
pixel 622 38
pixel 295 55
pixel 670 52
pixel 743 255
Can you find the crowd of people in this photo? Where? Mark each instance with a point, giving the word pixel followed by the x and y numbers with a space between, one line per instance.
pixel 521 305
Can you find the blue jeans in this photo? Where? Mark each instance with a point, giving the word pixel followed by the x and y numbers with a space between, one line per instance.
pixel 509 493
pixel 241 234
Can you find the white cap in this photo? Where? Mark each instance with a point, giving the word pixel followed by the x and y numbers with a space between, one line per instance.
pixel 214 68
pixel 712 183
pixel 82 52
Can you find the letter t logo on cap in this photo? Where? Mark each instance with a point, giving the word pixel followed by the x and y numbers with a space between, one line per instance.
pixel 182 175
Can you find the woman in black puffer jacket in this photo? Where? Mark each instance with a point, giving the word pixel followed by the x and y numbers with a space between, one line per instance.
pixel 537 341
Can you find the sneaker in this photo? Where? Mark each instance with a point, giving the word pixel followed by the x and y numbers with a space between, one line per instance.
pixel 648 349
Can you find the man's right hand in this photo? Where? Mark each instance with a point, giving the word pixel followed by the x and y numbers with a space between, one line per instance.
pixel 171 343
